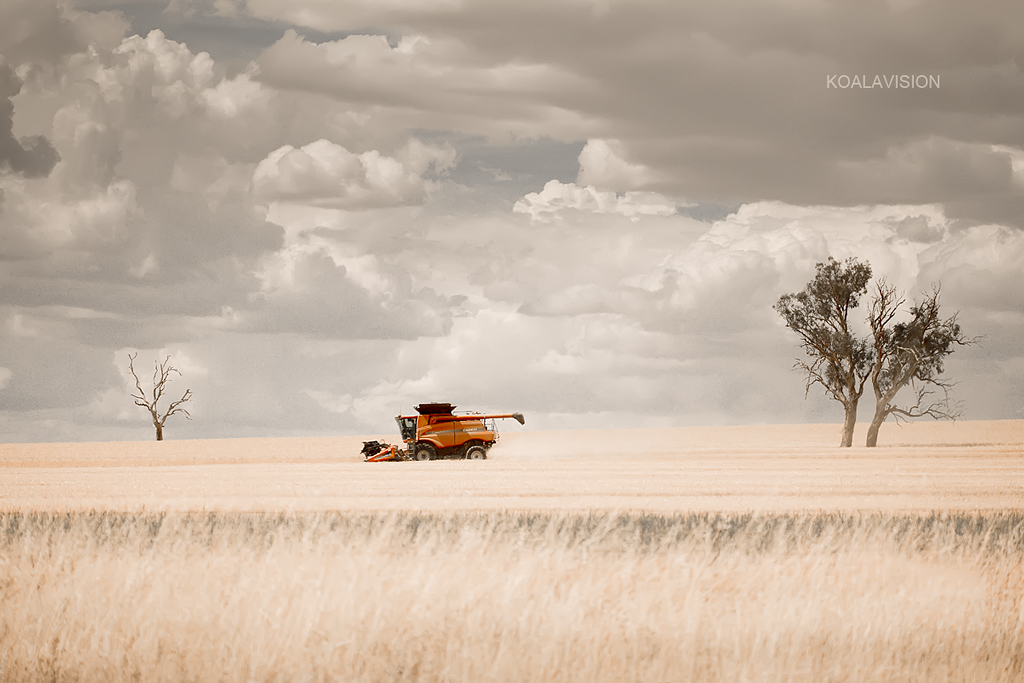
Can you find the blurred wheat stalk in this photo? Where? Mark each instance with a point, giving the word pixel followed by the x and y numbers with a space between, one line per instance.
pixel 511 597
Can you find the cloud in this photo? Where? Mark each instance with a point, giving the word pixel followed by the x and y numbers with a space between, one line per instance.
pixel 153 186
pixel 979 268
pixel 32 156
pixel 602 175
pixel 917 229
pixel 35 224
pixel 597 370
pixel 427 82
pixel 325 174
pixel 309 290
pixel 602 165
pixel 556 197
pixel 676 87
pixel 480 202
pixel 37 32
pixel 173 76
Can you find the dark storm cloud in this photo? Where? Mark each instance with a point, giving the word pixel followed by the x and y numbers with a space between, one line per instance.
pixel 32 156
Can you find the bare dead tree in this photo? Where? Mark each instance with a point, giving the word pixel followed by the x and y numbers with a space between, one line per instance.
pixel 161 376
pixel 911 353
pixel 839 360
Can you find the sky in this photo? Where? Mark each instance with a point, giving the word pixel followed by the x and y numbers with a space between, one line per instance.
pixel 327 212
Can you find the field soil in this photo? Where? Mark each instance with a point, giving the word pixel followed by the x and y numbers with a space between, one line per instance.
pixel 966 465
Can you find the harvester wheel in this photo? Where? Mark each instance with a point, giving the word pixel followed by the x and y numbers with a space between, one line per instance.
pixel 425 451
pixel 476 453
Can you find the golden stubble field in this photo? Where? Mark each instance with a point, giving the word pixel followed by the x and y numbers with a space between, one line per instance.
pixel 718 554
pixel 921 466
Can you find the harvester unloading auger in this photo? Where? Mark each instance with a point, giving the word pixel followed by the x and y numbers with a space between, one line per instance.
pixel 437 432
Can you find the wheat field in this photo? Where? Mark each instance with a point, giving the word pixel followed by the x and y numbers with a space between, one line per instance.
pixel 718 555
pixel 511 597
pixel 777 468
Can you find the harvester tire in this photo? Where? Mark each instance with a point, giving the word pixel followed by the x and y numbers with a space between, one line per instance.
pixel 476 453
pixel 425 451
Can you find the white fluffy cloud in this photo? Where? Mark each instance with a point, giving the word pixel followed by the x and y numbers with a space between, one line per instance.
pixel 602 165
pixel 175 77
pixel 325 174
pixel 604 185
pixel 326 289
pixel 557 197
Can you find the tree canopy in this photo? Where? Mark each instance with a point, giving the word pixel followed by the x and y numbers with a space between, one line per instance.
pixel 897 353
pixel 911 353
pixel 820 315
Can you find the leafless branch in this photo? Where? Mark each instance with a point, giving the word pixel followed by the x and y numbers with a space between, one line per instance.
pixel 161 376
pixel 140 398
pixel 176 408
pixel 941 409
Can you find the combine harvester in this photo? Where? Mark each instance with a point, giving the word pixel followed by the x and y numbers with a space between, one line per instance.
pixel 437 432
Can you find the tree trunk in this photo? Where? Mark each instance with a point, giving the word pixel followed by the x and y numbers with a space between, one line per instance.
pixel 876 423
pixel 159 432
pixel 848 424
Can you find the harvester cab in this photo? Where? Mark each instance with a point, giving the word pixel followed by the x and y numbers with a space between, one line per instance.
pixel 437 431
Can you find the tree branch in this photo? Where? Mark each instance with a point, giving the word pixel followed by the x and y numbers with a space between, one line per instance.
pixel 161 376
pixel 175 408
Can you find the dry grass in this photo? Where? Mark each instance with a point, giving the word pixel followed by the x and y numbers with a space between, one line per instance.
pixel 511 596
pixel 764 554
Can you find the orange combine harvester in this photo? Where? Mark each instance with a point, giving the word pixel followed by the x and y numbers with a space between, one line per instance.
pixel 437 432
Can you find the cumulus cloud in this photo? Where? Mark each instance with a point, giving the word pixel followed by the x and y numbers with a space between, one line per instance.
pixel 316 289
pixel 146 83
pixel 31 156
pixel 323 173
pixel 602 165
pixel 980 268
pixel 173 76
pixel 556 197
pixel 157 154
pixel 603 174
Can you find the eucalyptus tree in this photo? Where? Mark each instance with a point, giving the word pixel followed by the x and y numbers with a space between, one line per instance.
pixel 837 358
pixel 911 353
